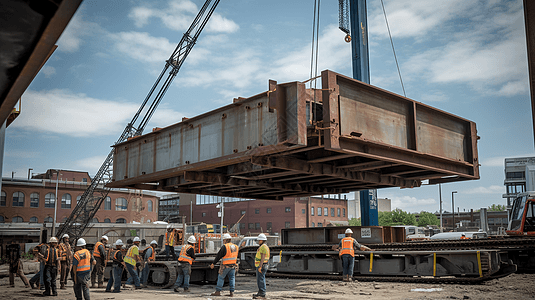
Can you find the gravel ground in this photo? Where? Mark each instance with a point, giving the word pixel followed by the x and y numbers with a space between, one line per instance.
pixel 515 286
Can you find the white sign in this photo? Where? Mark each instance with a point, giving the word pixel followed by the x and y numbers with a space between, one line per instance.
pixel 219 214
pixel 365 232
pixel 341 236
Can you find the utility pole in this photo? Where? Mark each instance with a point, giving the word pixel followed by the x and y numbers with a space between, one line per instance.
pixel 453 210
pixel 440 197
pixel 55 205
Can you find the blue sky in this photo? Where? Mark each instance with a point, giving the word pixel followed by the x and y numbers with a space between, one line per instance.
pixel 464 57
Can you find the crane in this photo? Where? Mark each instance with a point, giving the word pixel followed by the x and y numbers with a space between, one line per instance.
pixel 96 192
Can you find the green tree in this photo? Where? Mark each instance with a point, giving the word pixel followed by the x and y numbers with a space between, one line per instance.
pixel 396 217
pixel 498 207
pixel 427 218
pixel 354 222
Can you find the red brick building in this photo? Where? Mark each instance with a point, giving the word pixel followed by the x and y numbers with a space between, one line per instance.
pixel 265 215
pixel 33 200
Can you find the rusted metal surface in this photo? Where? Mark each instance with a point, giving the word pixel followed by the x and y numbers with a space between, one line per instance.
pixel 529 20
pixel 333 235
pixel 269 146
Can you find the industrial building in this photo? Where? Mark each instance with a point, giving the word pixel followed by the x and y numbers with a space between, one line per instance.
pixel 519 176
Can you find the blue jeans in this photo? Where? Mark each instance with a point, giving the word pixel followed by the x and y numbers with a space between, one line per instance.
pixel 230 272
pixel 348 264
pixel 169 250
pixel 133 275
pixel 184 272
pixel 145 273
pixel 39 275
pixel 115 279
pixel 80 287
pixel 261 280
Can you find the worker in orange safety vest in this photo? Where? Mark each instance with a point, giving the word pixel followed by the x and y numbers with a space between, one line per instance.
pixel 228 254
pixel 347 248
pixel 81 266
pixel 99 253
pixel 187 255
pixel 170 236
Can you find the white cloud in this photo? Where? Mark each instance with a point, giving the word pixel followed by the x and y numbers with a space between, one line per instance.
pixel 408 203
pixel 493 189
pixel 48 71
pixel 178 16
pixel 75 33
pixel 63 112
pixel 89 164
pixel 141 46
pixel 498 161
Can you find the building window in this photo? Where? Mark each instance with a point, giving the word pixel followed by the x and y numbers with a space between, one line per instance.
pixel 34 200
pixel 149 205
pixel 320 225
pixel 257 226
pixel 312 211
pixel 242 225
pixel 18 200
pixel 17 220
pixel 268 210
pixel 243 212
pixel 107 203
pixel 48 220
pixel 344 212
pixel 3 199
pixel 50 198
pixel 33 220
pixel 121 204
pixel 107 220
pixel 66 201
pixel 338 211
pixel 251 225
pixel 269 226
pixel 313 224
pixel 84 179
pixel 2 219
pixel 319 211
pixel 95 220
pixel 287 225
pixel 257 210
pixel 287 209
pixel 332 211
pixel 204 214
pixel 326 211
pixel 120 220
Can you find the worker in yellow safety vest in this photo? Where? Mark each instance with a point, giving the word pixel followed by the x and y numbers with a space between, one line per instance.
pixel 185 259
pixel 261 265
pixel 170 236
pixel 346 249
pixel 99 253
pixel 81 266
pixel 228 254
pixel 131 259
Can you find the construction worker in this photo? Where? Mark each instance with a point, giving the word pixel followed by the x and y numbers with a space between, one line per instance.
pixel 117 271
pixel 15 264
pixel 187 255
pixel 150 255
pixel 131 259
pixel 51 259
pixel 229 256
pixel 81 266
pixel 261 266
pixel 39 252
pixel 346 249
pixel 170 242
pixel 99 253
pixel 65 258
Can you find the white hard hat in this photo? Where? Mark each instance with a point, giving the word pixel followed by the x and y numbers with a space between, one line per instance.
pixel 262 237
pixel 136 239
pixel 169 226
pixel 104 238
pixel 349 231
pixel 154 242
pixel 53 240
pixel 192 240
pixel 226 236
pixel 119 242
pixel 65 236
pixel 80 242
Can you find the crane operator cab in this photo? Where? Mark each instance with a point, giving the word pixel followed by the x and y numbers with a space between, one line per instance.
pixel 522 219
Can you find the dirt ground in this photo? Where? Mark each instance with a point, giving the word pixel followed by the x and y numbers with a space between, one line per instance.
pixel 515 286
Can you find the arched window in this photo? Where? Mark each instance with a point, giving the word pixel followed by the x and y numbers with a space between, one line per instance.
pixel 120 220
pixel 33 220
pixel 18 199
pixel 2 219
pixel 95 220
pixel 107 203
pixel 149 205
pixel 66 201
pixel 3 199
pixel 48 220
pixel 121 204
pixel 107 220
pixel 50 198
pixel 17 220
pixel 34 200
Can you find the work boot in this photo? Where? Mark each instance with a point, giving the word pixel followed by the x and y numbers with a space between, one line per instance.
pixel 186 290
pixel 62 286
pixel 100 285
pixel 33 285
pixel 177 289
pixel 231 294
pixel 349 278
pixel 216 293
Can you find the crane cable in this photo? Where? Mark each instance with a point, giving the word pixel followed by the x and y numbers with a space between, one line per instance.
pixel 393 50
pixel 314 57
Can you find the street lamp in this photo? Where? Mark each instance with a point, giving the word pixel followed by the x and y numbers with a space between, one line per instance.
pixel 440 197
pixel 221 207
pixel 453 210
pixel 55 205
